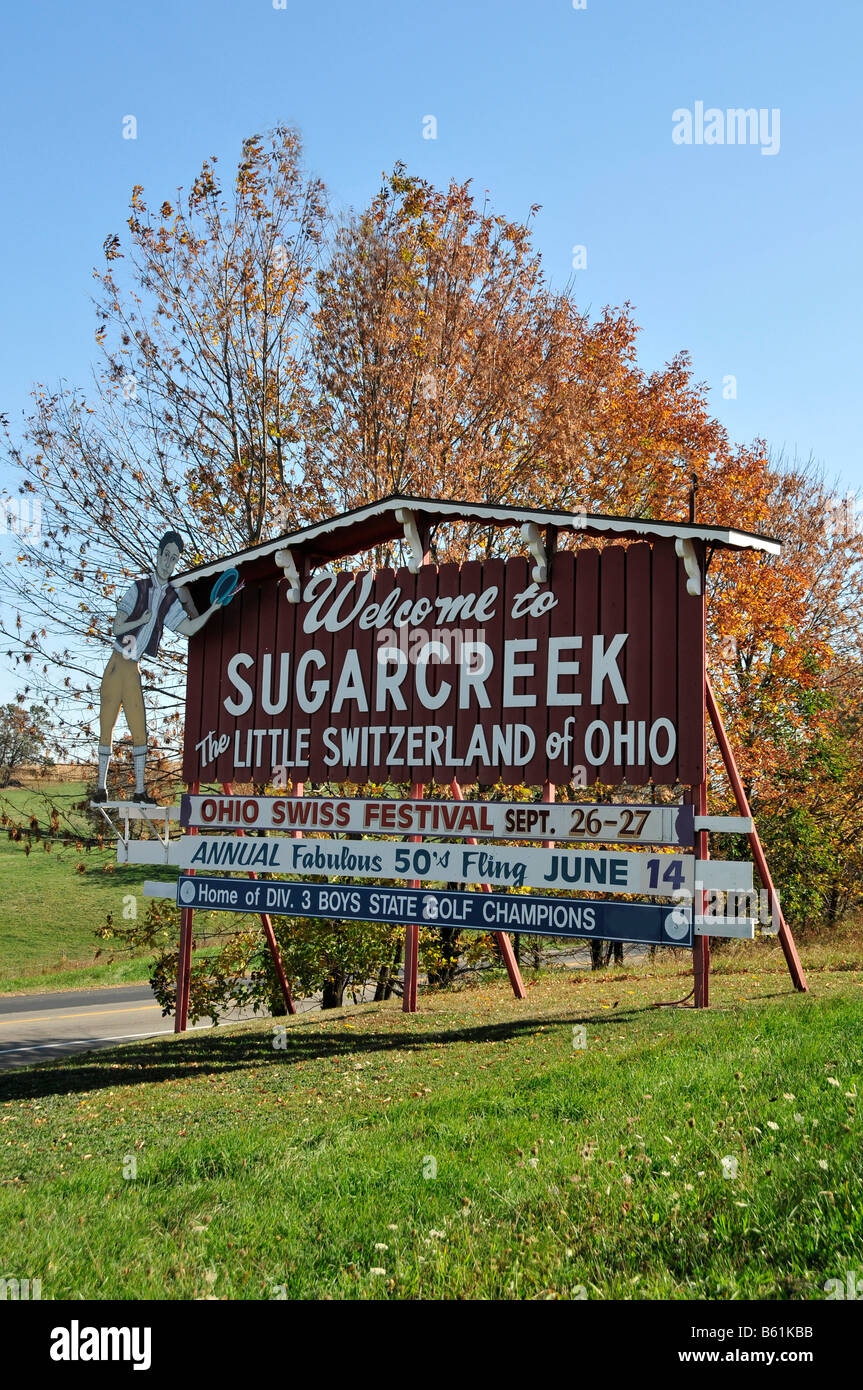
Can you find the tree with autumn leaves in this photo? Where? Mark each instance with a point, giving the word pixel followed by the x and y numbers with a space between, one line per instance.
pixel 262 365
pixel 786 662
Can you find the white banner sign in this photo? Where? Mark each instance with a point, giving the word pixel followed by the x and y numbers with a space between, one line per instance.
pixel 504 866
pixel 500 820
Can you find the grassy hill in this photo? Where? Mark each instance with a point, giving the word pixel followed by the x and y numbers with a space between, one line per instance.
pixel 55 898
pixel 469 1151
pixel 52 901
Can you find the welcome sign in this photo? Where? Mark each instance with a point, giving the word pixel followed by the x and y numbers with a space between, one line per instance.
pixel 473 672
pixel 582 666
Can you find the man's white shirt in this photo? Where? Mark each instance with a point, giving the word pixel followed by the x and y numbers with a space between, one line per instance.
pixel 141 636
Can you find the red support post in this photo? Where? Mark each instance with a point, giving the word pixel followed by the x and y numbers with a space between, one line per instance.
pixel 184 957
pixel 786 940
pixel 701 944
pixel 266 923
pixel 502 938
pixel 184 970
pixel 412 932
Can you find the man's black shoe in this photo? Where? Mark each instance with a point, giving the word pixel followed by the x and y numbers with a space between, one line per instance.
pixel 100 794
pixel 144 799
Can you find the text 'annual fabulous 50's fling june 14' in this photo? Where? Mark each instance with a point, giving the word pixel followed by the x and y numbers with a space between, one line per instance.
pixel 504 866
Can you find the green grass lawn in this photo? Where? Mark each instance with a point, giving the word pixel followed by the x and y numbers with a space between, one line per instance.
pixel 468 1151
pixel 37 799
pixel 49 913
pixel 53 901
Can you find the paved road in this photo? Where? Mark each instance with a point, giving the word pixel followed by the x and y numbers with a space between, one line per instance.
pixel 38 1027
pixel 41 1027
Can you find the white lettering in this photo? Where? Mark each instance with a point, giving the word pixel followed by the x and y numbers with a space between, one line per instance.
pixel 604 666
pixel 268 704
pixel 517 670
pixel 310 703
pixel 244 703
pixel 558 668
pixel 350 686
pixel 477 664
pixel 662 726
pixel 389 683
pixel 429 700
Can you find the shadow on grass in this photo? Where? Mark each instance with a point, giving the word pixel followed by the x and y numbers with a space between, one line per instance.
pixel 783 994
pixel 218 1053
pixel 129 875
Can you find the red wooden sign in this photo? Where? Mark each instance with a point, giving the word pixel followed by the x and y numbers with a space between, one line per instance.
pixel 473 672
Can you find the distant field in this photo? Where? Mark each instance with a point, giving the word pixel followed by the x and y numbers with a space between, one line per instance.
pixel 49 909
pixel 53 901
pixel 20 803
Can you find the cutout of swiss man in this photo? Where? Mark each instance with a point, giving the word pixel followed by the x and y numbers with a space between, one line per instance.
pixel 148 606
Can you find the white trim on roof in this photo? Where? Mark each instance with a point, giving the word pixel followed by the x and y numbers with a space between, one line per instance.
pixel 590 523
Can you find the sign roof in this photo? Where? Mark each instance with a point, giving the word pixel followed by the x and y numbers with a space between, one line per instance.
pixel 377 522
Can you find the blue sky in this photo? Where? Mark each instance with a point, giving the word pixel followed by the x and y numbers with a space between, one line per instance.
pixel 748 260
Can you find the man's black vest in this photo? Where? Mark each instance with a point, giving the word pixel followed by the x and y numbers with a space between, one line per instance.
pixel 142 603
